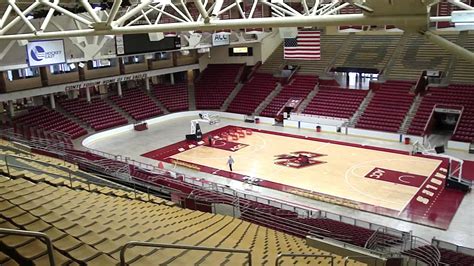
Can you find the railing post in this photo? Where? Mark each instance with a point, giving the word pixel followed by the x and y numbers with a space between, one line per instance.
pixel 70 177
pixel 47 240
pixel 6 163
pixel 134 191
pixel 148 192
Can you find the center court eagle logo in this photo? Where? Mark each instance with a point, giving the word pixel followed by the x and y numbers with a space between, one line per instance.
pixel 298 159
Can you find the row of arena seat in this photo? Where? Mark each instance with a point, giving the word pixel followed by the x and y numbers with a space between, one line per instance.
pixel 94 236
pixel 137 104
pixel 388 108
pixel 97 114
pixel 96 248
pixel 456 96
pixel 40 119
pixel 270 216
pixel 335 102
pixel 215 84
pixel 173 97
pixel 299 87
pixel 253 93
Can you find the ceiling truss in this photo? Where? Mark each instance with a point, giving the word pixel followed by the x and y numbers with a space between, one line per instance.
pixel 176 15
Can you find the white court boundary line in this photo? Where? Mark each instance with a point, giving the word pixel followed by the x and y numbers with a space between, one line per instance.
pixel 358 165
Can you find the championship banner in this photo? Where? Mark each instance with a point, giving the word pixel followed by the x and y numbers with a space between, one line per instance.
pixel 42 53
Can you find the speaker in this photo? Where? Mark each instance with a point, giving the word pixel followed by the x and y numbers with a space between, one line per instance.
pixel 439 149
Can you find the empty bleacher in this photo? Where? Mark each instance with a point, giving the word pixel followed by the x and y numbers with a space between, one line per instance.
pixel 299 87
pixel 330 45
pixel 94 235
pixel 463 69
pixel 419 54
pixel 368 51
pixel 350 10
pixel 136 103
pixel 39 120
pixel 173 97
pixel 388 108
pixel 335 102
pixel 215 84
pixel 97 113
pixel 451 257
pixel 253 93
pixel 456 95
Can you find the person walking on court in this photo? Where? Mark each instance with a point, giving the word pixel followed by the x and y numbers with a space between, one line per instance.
pixel 230 161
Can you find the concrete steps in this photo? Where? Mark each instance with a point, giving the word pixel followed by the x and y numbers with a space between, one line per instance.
pixel 158 103
pixel 410 115
pixel 309 98
pixel 120 110
pixel 191 97
pixel 268 100
pixel 231 97
pixel 396 54
pixel 73 118
pixel 360 111
pixel 462 39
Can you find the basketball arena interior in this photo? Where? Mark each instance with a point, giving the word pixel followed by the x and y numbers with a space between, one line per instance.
pixel 236 132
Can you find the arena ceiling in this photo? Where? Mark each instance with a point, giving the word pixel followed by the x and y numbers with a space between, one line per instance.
pixel 144 16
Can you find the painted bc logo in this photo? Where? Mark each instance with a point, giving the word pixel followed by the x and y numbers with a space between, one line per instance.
pixel 37 53
pixel 298 159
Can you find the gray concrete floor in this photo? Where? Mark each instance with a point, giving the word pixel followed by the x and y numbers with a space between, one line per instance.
pixel 135 143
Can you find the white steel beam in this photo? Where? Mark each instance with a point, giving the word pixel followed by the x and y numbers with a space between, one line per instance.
pixel 252 10
pixel 449 46
pixel 66 12
pixel 300 21
pixel 113 12
pixel 161 11
pixel 334 10
pixel 440 19
pixel 21 15
pixel 217 7
pixel 202 10
pixel 179 12
pixel 242 13
pixel 132 12
pixel 5 16
pixel 48 17
pixel 315 7
pixel 90 10
pixel 305 7
pixel 183 4
pixel 227 9
pixel 460 4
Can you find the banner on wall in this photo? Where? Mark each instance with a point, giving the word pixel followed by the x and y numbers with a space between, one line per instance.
pixel 42 53
pixel 219 39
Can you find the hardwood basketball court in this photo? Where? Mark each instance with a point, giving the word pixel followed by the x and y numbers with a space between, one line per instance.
pixel 379 180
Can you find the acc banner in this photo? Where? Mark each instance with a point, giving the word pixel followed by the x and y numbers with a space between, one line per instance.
pixel 219 39
pixel 41 53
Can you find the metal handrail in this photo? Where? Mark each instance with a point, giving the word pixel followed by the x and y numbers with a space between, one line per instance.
pixel 132 244
pixel 281 255
pixel 34 234
pixel 70 173
pixel 373 238
pixel 222 189
pixel 346 259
